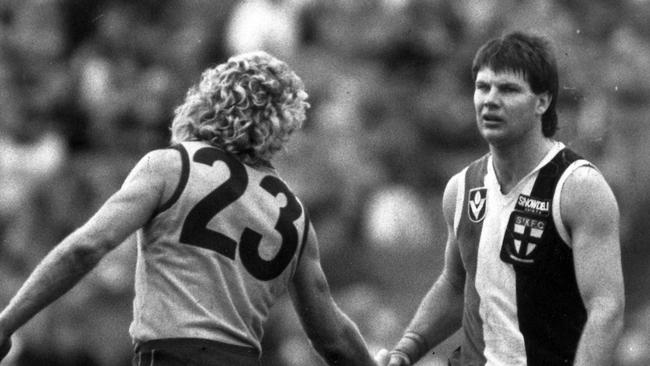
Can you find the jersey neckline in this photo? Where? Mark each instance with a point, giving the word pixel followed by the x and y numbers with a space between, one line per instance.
pixel 491 177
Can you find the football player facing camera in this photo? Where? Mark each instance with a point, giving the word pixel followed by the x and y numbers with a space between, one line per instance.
pixel 532 271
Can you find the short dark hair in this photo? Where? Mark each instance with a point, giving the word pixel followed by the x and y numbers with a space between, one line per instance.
pixel 530 55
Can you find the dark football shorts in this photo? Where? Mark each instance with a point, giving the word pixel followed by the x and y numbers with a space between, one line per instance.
pixel 193 351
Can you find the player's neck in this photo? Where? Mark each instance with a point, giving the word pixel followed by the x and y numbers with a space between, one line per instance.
pixel 512 162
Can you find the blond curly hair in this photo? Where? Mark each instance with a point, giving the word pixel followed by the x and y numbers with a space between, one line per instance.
pixel 247 106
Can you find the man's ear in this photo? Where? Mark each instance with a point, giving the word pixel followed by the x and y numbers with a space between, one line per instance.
pixel 543 102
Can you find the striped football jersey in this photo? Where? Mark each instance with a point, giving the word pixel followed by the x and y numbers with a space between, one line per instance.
pixel 522 303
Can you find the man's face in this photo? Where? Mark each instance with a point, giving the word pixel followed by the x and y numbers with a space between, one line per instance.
pixel 507 110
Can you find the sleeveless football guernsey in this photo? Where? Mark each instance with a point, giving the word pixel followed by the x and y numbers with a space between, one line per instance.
pixel 214 259
pixel 522 303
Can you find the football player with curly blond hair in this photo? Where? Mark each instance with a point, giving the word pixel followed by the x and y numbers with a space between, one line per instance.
pixel 248 106
pixel 220 235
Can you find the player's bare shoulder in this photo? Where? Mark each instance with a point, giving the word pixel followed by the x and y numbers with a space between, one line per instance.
pixel 450 197
pixel 166 162
pixel 586 194
pixel 160 169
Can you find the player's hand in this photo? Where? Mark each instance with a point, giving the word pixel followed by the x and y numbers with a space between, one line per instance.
pixel 381 357
pixel 398 360
pixel 5 346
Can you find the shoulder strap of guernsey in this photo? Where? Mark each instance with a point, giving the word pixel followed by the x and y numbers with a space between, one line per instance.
pixel 550 174
pixel 182 181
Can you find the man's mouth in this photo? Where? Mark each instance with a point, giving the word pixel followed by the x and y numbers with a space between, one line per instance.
pixel 491 118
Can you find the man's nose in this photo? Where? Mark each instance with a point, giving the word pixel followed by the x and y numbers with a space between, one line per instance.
pixel 491 98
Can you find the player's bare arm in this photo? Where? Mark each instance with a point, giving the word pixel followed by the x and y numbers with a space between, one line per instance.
pixel 123 213
pixel 439 314
pixel 334 336
pixel 590 212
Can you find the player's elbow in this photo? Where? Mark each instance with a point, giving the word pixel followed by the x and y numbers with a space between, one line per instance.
pixel 88 248
pixel 335 347
pixel 608 313
pixel 327 339
pixel 454 282
pixel 330 352
pixel 617 312
pixel 335 338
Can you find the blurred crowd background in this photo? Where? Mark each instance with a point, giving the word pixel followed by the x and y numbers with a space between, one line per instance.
pixel 87 87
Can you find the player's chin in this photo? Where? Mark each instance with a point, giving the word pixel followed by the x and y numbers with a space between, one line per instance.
pixel 493 133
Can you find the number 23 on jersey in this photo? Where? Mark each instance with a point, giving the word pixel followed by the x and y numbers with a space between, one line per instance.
pixel 195 231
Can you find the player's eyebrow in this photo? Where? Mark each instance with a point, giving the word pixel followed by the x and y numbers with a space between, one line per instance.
pixel 498 84
pixel 508 84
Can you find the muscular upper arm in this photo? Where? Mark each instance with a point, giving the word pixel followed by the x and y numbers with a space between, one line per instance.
pixel 590 213
pixel 309 289
pixel 148 184
pixel 453 270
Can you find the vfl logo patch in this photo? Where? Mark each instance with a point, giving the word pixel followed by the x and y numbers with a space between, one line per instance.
pixel 476 204
pixel 523 238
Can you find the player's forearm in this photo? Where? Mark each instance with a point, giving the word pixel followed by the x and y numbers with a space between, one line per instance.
pixel 59 271
pixel 345 346
pixel 438 317
pixel 440 313
pixel 600 336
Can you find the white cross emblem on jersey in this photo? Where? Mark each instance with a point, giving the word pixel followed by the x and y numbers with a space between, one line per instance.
pixel 525 236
